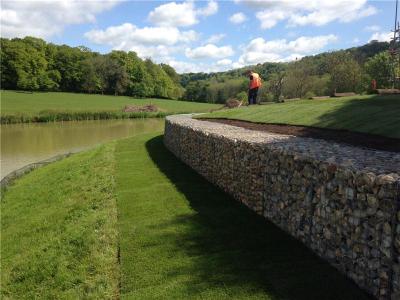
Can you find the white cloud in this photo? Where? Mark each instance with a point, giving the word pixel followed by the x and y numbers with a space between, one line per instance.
pixel 224 62
pixel 154 42
pixel 180 14
pixel 238 18
pixel 309 12
pixel 269 19
pixel 260 50
pixel 47 18
pixel 372 28
pixel 128 33
pixel 237 65
pixel 174 14
pixel 210 9
pixel 215 38
pixel 209 51
pixel 381 36
pixel 186 67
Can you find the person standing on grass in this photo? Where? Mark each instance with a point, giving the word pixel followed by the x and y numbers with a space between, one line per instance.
pixel 255 83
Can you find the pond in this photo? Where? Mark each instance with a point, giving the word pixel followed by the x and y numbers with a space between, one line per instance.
pixel 22 144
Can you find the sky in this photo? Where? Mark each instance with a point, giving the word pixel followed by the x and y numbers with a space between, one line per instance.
pixel 203 36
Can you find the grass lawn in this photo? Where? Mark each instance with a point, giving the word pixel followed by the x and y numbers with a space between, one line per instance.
pixel 25 106
pixel 369 114
pixel 33 103
pixel 59 231
pixel 128 220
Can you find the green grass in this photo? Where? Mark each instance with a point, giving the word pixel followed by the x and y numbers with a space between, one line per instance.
pixel 369 114
pixel 41 107
pixel 179 236
pixel 58 231
pixel 182 238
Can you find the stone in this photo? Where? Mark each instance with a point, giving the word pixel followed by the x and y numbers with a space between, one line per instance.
pixel 384 179
pixel 387 229
pixel 338 200
pixel 372 201
pixel 349 193
pixel 367 179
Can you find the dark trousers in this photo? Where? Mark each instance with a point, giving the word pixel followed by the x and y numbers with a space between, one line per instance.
pixel 253 96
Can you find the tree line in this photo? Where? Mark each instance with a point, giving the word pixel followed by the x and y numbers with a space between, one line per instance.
pixel 350 70
pixel 32 64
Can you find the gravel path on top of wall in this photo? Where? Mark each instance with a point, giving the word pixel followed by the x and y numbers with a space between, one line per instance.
pixel 358 159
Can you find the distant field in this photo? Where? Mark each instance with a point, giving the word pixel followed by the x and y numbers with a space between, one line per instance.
pixel 369 114
pixel 31 104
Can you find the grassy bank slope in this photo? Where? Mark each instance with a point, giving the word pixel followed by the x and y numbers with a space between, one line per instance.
pixel 58 231
pixel 179 236
pixel 42 106
pixel 369 114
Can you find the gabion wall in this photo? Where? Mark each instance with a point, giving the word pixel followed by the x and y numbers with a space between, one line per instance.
pixel 345 210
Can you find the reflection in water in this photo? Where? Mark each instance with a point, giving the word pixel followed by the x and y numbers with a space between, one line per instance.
pixel 22 144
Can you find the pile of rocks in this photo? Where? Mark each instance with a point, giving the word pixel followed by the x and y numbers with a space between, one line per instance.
pixel 340 201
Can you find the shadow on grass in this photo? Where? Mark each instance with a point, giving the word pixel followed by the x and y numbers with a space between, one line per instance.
pixel 239 250
pixel 378 115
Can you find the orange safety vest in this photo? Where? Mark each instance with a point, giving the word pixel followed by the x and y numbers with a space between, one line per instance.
pixel 255 82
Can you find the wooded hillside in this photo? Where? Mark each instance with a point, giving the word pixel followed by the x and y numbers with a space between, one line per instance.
pixel 32 64
pixel 348 70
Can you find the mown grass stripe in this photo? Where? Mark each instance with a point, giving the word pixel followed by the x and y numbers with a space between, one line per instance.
pixel 368 114
pixel 182 238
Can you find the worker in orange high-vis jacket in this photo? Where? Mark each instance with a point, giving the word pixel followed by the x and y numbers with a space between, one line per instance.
pixel 254 85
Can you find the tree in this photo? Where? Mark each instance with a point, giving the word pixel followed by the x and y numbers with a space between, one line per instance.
pixel 378 68
pixel 24 65
pixel 170 71
pixel 106 75
pixel 114 75
pixel 91 80
pixel 69 62
pixel 298 79
pixel 344 71
pixel 275 85
pixel 32 64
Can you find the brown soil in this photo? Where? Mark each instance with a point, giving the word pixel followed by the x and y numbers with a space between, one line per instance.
pixel 345 94
pixel 145 108
pixel 388 91
pixel 232 103
pixel 341 136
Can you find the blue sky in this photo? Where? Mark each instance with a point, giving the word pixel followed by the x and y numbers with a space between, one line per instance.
pixel 203 35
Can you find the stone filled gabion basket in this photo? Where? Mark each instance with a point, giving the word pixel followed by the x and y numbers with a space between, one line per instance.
pixel 340 201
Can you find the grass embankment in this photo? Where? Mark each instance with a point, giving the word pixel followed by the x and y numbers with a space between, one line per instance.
pixel 368 114
pixel 179 236
pixel 19 107
pixel 58 231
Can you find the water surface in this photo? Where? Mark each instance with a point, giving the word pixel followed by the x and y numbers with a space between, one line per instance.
pixel 22 144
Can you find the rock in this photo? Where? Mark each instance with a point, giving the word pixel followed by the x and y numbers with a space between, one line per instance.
pixel 372 201
pixel 387 229
pixel 349 193
pixel 365 179
pixel 337 199
pixel 327 234
pixel 384 179
pixel 332 168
